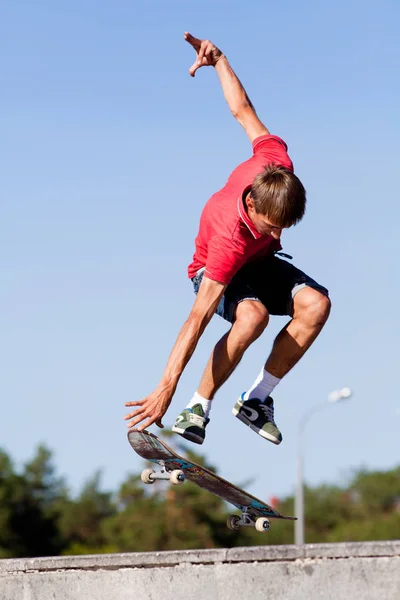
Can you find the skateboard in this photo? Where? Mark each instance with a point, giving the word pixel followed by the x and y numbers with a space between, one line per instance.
pixel 254 512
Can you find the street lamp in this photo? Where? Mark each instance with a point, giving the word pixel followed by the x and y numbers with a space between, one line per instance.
pixel 333 398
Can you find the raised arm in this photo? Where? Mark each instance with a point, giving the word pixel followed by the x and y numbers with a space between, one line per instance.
pixel 207 54
pixel 152 408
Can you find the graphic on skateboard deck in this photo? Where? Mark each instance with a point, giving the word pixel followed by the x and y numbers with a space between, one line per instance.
pixel 254 512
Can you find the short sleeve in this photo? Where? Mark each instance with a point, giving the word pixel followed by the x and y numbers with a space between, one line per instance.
pixel 274 149
pixel 224 260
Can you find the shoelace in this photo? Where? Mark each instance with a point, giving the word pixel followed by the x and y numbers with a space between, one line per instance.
pixel 268 411
pixel 196 419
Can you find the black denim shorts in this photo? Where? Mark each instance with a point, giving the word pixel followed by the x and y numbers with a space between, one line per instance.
pixel 270 280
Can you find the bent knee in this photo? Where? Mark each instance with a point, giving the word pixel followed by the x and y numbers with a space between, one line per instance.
pixel 252 316
pixel 312 306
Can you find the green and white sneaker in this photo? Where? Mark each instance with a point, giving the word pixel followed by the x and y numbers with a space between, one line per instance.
pixel 191 424
pixel 259 416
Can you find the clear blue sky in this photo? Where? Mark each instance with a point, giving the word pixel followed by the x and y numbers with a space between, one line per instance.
pixel 109 151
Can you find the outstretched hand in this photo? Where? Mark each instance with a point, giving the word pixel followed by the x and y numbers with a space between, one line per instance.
pixel 150 410
pixel 207 54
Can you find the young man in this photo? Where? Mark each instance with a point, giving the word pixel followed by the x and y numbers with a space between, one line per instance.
pixel 236 273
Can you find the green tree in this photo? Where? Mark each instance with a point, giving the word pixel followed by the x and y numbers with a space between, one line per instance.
pixel 376 491
pixel 82 519
pixel 28 517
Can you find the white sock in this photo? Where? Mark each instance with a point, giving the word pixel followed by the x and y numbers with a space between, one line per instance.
pixel 262 387
pixel 206 404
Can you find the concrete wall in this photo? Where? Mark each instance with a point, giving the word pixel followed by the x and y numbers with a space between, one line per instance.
pixel 364 571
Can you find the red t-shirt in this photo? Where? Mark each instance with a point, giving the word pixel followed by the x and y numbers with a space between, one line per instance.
pixel 227 238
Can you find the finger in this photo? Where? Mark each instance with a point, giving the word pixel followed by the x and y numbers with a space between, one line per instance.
pixel 193 69
pixel 134 414
pixel 193 41
pixel 147 423
pixel 136 420
pixel 202 52
pixel 136 403
pixel 207 52
pixel 143 414
pixel 159 424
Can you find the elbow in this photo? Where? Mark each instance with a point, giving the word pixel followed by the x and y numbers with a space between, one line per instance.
pixel 238 111
pixel 241 110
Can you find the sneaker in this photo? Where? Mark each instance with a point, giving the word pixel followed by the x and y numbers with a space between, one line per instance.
pixel 259 416
pixel 191 424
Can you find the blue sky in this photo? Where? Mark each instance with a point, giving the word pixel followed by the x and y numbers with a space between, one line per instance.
pixel 109 152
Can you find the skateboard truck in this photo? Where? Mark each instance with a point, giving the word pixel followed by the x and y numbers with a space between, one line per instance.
pixel 176 477
pixel 234 522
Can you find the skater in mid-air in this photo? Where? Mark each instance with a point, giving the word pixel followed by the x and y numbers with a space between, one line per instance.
pixel 237 274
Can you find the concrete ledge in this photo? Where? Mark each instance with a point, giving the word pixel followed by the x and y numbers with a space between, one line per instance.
pixel 314 571
pixel 203 557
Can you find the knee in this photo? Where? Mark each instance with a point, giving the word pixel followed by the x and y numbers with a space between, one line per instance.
pixel 311 306
pixel 252 317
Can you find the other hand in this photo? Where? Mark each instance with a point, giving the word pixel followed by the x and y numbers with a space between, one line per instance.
pixel 207 54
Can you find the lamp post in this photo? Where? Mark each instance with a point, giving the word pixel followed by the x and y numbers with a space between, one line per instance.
pixel 333 398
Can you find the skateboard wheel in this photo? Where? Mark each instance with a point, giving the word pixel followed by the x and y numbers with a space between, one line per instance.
pixel 147 476
pixel 233 522
pixel 177 477
pixel 262 524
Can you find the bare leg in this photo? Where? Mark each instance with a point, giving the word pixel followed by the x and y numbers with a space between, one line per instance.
pixel 251 320
pixel 311 311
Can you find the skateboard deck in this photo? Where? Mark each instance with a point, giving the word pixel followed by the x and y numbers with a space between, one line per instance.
pixel 177 469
